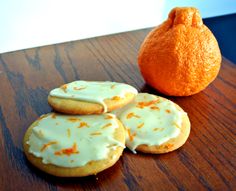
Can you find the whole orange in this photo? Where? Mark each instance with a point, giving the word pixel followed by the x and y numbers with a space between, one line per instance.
pixel 181 56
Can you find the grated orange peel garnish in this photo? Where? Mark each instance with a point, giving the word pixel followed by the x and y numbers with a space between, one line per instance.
pixel 68 151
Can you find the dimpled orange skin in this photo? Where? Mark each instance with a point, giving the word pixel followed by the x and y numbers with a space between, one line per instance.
pixel 180 57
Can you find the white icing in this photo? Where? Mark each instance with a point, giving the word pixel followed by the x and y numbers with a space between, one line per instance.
pixel 92 134
pixel 95 92
pixel 158 122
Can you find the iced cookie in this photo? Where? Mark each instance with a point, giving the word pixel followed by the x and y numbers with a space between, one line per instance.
pixel 74 146
pixel 154 124
pixel 87 97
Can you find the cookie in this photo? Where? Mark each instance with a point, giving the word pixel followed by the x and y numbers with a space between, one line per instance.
pixel 73 145
pixel 154 124
pixel 88 97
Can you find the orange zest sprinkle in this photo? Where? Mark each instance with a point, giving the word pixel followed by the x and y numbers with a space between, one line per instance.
pixel 107 125
pixel 112 145
pixel 95 133
pixel 140 125
pixel 131 136
pixel 168 111
pixel 168 146
pixel 109 117
pixel 176 125
pixel 155 108
pixel 40 133
pixel 42 116
pixel 116 98
pixel 79 88
pixel 158 129
pixel 113 86
pixel 68 132
pixel 53 116
pixel 73 119
pixel 47 145
pixel 83 124
pixel 146 104
pixel 130 115
pixel 64 87
pixel 90 163
pixel 68 151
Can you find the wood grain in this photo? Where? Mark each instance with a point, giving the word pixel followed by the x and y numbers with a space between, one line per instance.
pixel 206 162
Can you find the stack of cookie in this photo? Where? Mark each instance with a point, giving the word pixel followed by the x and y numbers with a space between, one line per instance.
pixel 94 121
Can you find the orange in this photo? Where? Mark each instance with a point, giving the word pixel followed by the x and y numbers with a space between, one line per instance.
pixel 181 56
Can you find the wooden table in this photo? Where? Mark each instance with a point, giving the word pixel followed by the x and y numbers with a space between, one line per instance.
pixel 206 162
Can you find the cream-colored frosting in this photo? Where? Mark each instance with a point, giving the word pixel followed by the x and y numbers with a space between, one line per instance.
pixel 95 92
pixel 73 140
pixel 150 120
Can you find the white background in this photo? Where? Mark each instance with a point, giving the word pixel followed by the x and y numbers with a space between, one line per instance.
pixel 31 23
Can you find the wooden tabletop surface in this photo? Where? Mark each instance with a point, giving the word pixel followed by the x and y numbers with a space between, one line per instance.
pixel 206 162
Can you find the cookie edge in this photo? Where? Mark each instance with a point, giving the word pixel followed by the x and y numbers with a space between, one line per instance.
pixel 70 106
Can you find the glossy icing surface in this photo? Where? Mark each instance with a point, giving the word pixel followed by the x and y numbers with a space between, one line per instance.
pixel 150 120
pixel 95 92
pixel 73 140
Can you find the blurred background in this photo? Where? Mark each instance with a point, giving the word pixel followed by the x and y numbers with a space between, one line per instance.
pixel 30 23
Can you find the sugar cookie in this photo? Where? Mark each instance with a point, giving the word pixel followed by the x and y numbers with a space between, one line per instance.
pixel 88 97
pixel 73 145
pixel 154 124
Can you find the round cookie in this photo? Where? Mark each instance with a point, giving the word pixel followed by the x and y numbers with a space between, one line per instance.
pixel 154 124
pixel 88 97
pixel 74 146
